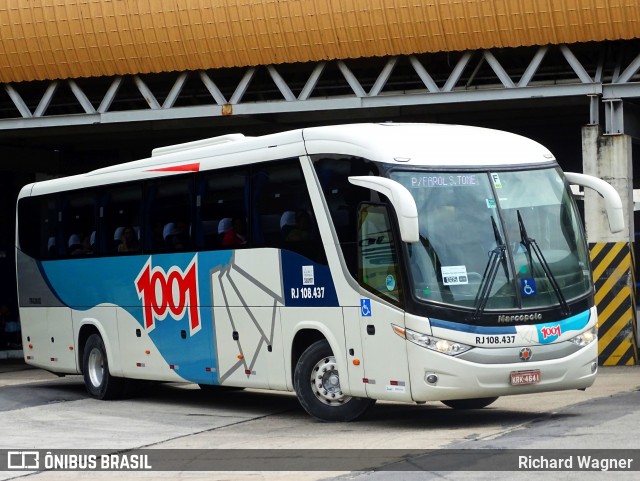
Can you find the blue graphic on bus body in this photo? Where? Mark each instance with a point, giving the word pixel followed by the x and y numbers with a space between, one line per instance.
pixel 85 283
pixel 551 331
pixel 170 296
pixel 306 283
pixel 547 332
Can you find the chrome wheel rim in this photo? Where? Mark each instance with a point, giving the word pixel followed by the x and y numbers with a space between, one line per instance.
pixel 95 367
pixel 325 382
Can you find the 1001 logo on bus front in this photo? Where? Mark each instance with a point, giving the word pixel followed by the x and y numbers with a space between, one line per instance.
pixel 172 292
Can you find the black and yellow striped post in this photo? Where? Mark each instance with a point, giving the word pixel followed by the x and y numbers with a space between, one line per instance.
pixel 613 275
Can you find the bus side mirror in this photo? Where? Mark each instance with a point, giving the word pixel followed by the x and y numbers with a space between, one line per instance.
pixel 612 201
pixel 401 199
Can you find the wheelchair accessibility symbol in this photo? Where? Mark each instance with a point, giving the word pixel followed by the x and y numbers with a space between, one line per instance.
pixel 365 307
pixel 528 287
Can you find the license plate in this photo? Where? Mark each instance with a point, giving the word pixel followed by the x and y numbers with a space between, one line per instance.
pixel 525 377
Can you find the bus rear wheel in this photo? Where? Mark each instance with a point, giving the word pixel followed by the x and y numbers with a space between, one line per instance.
pixel 475 403
pixel 99 382
pixel 317 383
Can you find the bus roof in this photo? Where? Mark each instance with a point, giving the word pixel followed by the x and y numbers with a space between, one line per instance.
pixel 436 145
pixel 439 145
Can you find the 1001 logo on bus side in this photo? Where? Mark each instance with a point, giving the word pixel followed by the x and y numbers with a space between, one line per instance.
pixel 174 292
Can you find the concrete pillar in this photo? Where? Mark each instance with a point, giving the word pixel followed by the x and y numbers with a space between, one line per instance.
pixel 609 158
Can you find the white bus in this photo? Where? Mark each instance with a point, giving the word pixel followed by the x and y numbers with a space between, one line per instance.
pixel 402 262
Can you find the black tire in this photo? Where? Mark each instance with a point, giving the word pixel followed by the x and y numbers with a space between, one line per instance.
pixel 475 403
pixel 99 382
pixel 317 384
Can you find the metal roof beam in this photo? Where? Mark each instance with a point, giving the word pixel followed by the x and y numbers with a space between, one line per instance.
pixel 241 89
pixel 457 72
pixel 499 71
pixel 146 93
pixel 105 104
pixel 621 91
pixel 630 71
pixel 575 64
pixel 85 103
pixel 43 105
pixel 351 79
pixel 427 80
pixel 281 84
pixel 175 91
pixel 283 106
pixel 462 83
pixel 383 78
pixel 212 88
pixel 18 102
pixel 533 66
pixel 312 81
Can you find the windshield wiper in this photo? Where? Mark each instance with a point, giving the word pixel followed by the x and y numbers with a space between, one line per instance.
pixel 490 271
pixel 532 246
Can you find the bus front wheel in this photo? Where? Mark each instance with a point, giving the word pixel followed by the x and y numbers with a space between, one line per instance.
pixel 99 382
pixel 475 403
pixel 317 384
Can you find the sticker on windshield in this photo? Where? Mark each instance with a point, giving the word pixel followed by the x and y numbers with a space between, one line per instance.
pixel 491 203
pixel 391 282
pixel 454 275
pixel 528 287
pixel 496 181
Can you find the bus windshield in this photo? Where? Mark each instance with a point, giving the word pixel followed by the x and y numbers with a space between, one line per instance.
pixel 496 240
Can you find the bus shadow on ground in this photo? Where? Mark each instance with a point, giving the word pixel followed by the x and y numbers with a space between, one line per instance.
pixel 383 414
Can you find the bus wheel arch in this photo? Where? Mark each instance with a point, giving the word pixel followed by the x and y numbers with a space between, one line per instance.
pixel 98 380
pixel 301 342
pixel 316 382
pixel 85 331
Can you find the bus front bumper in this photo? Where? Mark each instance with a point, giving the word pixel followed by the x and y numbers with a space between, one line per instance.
pixel 437 377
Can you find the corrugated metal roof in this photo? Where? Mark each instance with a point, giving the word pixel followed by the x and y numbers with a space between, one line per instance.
pixel 49 39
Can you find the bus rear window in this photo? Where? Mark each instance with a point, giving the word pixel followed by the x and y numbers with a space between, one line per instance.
pixel 29 233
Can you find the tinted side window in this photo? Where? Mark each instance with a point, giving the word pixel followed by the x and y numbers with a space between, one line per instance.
pixel 221 209
pixel 379 270
pixel 37 224
pixel 343 198
pixel 168 223
pixel 78 223
pixel 121 224
pixel 282 216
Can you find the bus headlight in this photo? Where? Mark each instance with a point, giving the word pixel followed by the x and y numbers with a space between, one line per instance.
pixel 437 344
pixel 586 338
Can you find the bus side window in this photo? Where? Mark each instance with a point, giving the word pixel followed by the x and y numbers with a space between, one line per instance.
pixel 169 214
pixel 79 222
pixel 282 216
pixel 37 219
pixel 343 198
pixel 121 210
pixel 378 269
pixel 221 198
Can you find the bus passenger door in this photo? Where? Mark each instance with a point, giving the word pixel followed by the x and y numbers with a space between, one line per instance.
pixel 384 352
pixel 383 358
